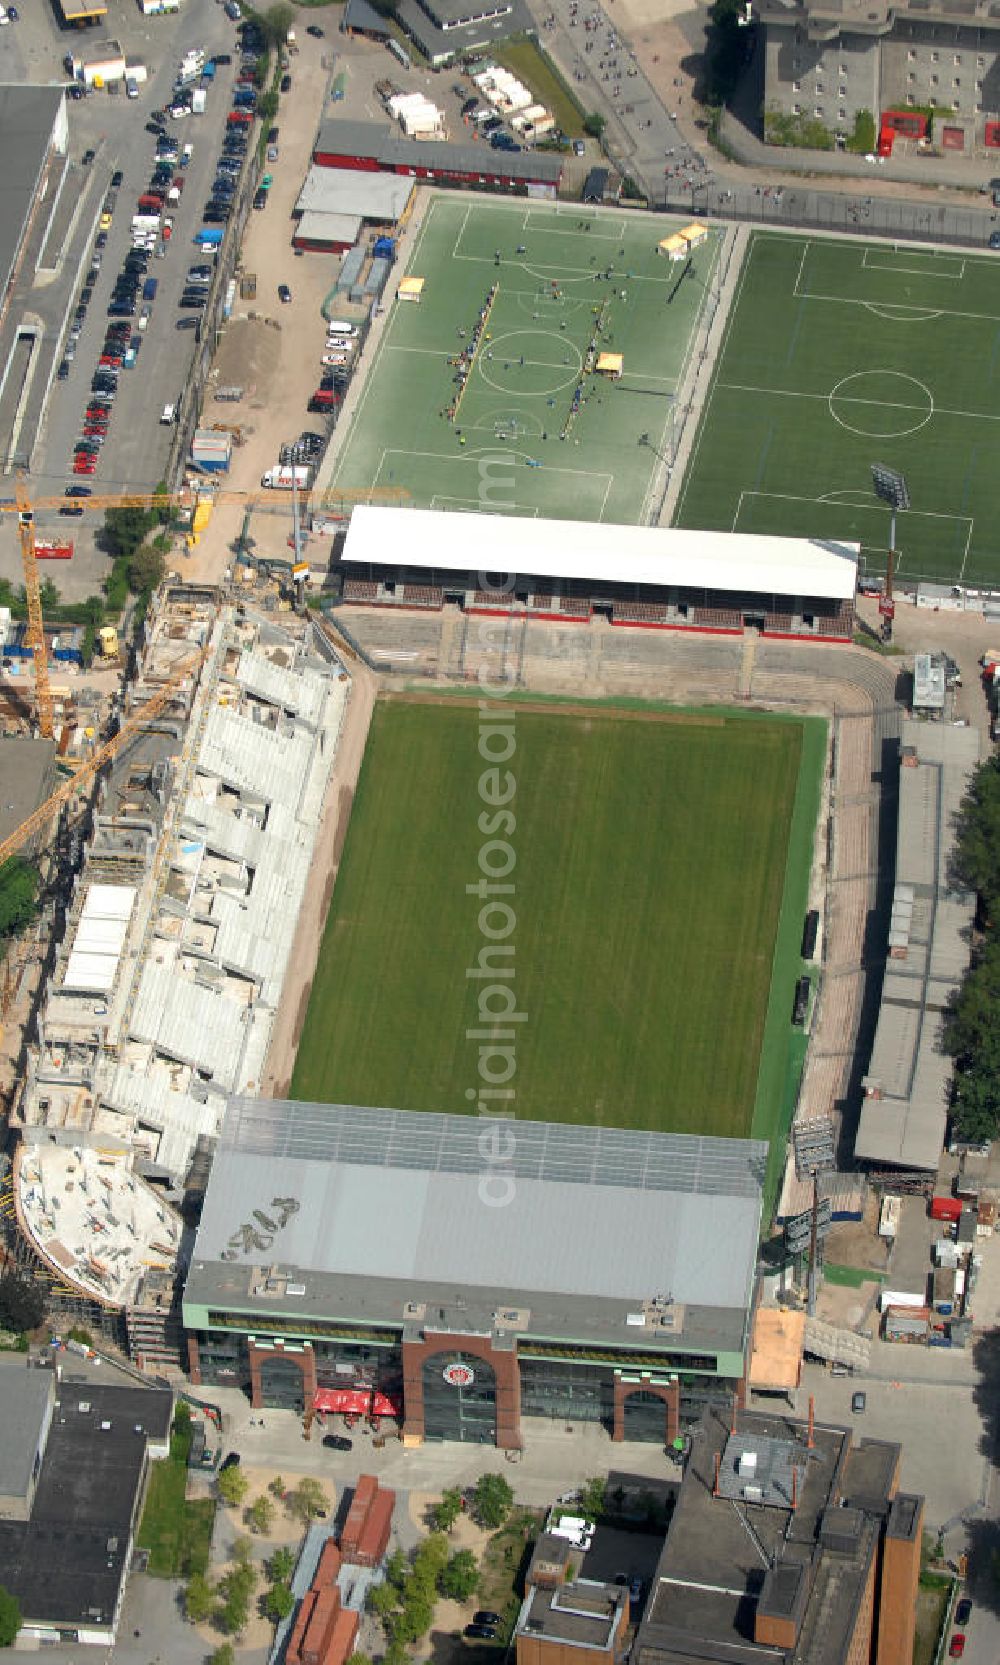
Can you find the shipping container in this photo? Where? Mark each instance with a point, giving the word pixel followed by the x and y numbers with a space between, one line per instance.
pixel 293 1653
pixel 325 1610
pixel 374 1539
pixel 361 1502
pixel 328 1567
pixel 946 1208
pixel 49 551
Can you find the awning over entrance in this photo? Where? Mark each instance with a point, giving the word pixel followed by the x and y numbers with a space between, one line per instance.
pixel 355 1402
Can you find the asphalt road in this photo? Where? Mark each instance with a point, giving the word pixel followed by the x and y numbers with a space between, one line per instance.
pixel 136 451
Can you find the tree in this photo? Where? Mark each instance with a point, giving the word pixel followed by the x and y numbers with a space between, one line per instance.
pixel 359 1659
pixel 492 1500
pixel 281 1566
pixel 459 1578
pixel 125 529
pixel 977 838
pixel 145 570
pixel 235 1588
pixel 22 1306
pixel 383 1599
pixel 446 1513
pixel 276 22
pixel 199 1599
pixel 307 1500
pixel 233 1486
pixel 260 1514
pixel 18 896
pixel 278 1602
pixel 233 1614
pixel 225 1654
pixel 276 1487
pixel 594 124
pixel 592 1497
pixel 397 1570
pixel 10 1617
pixel 243 1554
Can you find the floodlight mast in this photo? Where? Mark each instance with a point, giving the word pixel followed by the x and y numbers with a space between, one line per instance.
pixel 890 486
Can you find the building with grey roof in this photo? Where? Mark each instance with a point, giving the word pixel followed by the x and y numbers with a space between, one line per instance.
pixel 906 1088
pixel 474 1277
pixel 787 1543
pixel 32 125
pixel 28 770
pixel 829 60
pixel 371 144
pixel 67 1560
pixel 27 1400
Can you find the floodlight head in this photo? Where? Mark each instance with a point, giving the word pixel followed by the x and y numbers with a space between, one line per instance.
pixel 890 486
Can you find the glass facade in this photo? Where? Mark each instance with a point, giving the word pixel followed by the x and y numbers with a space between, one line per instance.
pixel 645 1417
pixel 460 1410
pixel 567 1392
pixel 281 1384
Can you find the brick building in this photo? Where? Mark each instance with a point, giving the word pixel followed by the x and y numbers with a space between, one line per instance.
pixel 788 1543
pixel 467 1282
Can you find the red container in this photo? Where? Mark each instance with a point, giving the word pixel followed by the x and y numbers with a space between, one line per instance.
pixel 374 1538
pixel 320 1627
pixel 342 1638
pixel 328 1568
pixel 293 1652
pixel 946 1208
pixel 364 1496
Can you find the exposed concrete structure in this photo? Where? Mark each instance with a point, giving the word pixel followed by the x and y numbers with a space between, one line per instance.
pixel 178 935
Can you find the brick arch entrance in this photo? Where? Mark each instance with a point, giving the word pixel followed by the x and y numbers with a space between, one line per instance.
pixel 260 1357
pixel 668 1392
pixel 441 1349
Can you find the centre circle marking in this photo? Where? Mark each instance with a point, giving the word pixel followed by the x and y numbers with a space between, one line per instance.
pixel 889 419
pixel 566 374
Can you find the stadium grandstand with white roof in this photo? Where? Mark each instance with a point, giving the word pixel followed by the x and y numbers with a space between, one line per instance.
pixel 657 577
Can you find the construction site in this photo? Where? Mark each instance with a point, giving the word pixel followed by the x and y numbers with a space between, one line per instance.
pixel 188 835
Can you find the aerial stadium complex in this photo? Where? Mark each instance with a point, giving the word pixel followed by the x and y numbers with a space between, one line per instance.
pixel 538 1067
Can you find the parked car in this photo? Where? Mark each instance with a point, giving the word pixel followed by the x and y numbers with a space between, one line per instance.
pixel 314 30
pixel 956 1647
pixel 231 1461
pixel 286 83
pixel 484 1617
pixel 858 1403
pixel 284 294
pixel 88 157
pixel 260 200
pixel 338 1442
pixel 480 1633
pixel 963 1612
pixel 63 371
pixel 187 323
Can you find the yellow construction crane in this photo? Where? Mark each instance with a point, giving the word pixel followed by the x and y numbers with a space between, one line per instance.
pixel 36 634
pixel 130 728
pixel 25 508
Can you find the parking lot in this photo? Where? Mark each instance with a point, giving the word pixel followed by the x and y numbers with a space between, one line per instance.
pixel 113 128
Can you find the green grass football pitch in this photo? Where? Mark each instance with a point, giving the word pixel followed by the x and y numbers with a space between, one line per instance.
pixel 518 399
pixel 662 868
pixel 840 355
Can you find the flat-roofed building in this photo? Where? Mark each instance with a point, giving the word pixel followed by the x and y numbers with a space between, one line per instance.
pixel 788 1542
pixel 342 1246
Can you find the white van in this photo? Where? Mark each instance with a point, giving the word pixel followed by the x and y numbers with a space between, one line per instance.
pixel 336 327
pixel 576 1528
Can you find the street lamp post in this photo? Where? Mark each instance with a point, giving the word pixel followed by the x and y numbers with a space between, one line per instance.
pixel 890 487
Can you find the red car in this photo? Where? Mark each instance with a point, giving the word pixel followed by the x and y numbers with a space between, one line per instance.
pixel 178 184
pixel 956 1646
pixel 110 361
pixel 95 430
pixel 84 465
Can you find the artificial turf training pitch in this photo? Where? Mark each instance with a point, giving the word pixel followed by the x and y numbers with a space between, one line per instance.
pixel 662 869
pixel 563 273
pixel 840 355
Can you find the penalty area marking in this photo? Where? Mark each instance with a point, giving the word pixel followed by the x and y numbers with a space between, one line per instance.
pixel 936 270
